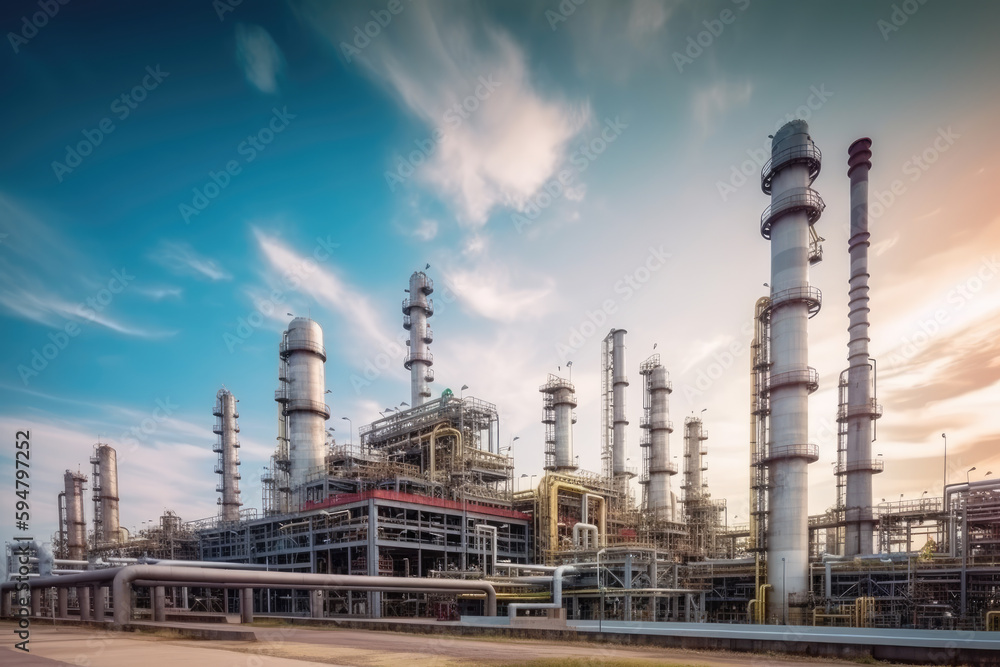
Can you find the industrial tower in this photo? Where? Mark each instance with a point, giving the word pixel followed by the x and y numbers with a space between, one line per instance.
pixel 416 310
pixel 858 406
pixel 795 207
pixel 227 446
pixel 656 426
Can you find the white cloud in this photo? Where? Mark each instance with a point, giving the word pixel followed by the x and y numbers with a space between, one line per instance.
pixel 329 289
pixel 260 57
pixel 501 139
pixel 160 293
pixel 717 100
pixel 487 290
pixel 182 259
pixel 426 230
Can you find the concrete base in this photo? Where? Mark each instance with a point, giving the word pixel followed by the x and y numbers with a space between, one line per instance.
pixel 554 619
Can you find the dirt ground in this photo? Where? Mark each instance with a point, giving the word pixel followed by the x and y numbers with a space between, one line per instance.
pixel 295 647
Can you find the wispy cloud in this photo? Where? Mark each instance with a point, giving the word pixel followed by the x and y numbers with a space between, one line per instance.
pixel 488 291
pixel 259 56
pixel 329 289
pixel 426 229
pixel 500 138
pixel 183 260
pixel 160 293
pixel 709 103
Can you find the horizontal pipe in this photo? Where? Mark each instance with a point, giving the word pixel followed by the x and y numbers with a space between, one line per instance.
pixel 161 575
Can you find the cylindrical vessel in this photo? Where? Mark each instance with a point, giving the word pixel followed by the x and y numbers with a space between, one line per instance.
pixel 76 527
pixel 619 383
pixel 416 310
pixel 563 402
pixel 861 409
pixel 306 413
pixel 227 428
pixel 660 468
pixel 794 207
pixel 693 437
pixel 107 460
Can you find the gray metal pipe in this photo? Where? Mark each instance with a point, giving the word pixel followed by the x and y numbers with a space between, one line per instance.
pixel 125 577
pixel 557 577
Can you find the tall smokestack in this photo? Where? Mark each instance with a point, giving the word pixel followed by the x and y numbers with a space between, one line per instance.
pixel 76 526
pixel 227 446
pixel 419 360
pixel 105 495
pixel 795 207
pixel 302 393
pixel 862 408
pixel 656 438
pixel 619 383
pixel 559 400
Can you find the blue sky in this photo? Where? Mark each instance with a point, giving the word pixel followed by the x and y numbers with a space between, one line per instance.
pixel 266 160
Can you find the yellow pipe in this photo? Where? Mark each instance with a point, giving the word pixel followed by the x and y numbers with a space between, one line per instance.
pixel 762 603
pixel 554 487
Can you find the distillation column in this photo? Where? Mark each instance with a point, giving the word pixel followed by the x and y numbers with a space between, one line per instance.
pixel 619 383
pixel 303 385
pixel 559 402
pixel 794 165
pixel 227 447
pixel 419 360
pixel 107 529
pixel 76 527
pixel 656 423
pixel 862 408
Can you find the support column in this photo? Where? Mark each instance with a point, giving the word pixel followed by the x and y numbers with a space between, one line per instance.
pixel 63 602
pixel 83 597
pixel 316 603
pixel 159 608
pixel 6 606
pixel 36 601
pixel 246 605
pixel 99 607
pixel 374 598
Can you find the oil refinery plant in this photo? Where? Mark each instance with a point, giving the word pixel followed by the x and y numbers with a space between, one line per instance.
pixel 427 493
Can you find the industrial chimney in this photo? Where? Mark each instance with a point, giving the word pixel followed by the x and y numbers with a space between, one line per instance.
pixel 105 495
pixel 227 446
pixel 656 425
pixel 795 207
pixel 303 386
pixel 857 464
pixel 558 403
pixel 419 360
pixel 75 525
